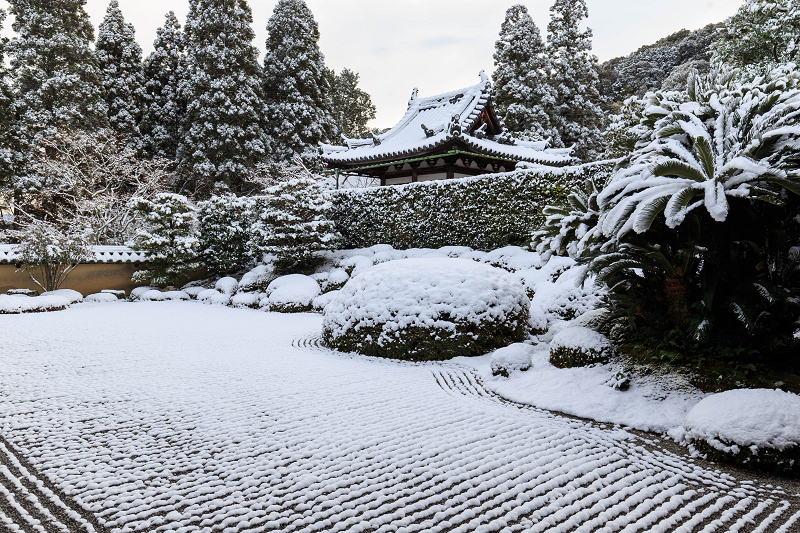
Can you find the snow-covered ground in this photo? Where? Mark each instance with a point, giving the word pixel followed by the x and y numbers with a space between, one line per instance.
pixel 179 416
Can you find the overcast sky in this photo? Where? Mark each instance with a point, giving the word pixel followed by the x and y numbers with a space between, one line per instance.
pixel 436 45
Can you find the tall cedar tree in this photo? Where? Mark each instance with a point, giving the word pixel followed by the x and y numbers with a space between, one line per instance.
pixel 55 79
pixel 351 107
pixel 9 157
pixel 119 58
pixel 222 136
pixel 165 107
pixel 296 86
pixel 522 93
pixel 577 114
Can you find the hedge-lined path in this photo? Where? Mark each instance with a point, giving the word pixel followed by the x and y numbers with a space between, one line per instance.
pixel 183 417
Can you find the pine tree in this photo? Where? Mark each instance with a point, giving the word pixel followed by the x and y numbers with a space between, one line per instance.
pixel 221 134
pixel 119 58
pixel 522 93
pixel 295 83
pixel 9 159
pixel 577 114
pixel 351 107
pixel 223 224
pixel 165 109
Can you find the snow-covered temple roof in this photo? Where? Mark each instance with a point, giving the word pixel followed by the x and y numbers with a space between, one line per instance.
pixel 465 117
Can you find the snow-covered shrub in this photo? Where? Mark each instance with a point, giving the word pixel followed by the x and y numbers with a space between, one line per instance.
pixel 213 296
pixel 227 285
pixel 246 299
pixel 293 293
pixel 510 359
pixel 155 295
pixel 223 232
pixel 70 295
pixel 136 293
pixel 579 346
pixel 31 304
pixel 48 254
pixel 169 238
pixel 753 427
pixel 257 279
pixel 101 297
pixel 484 212
pixel 427 309
pixel 291 223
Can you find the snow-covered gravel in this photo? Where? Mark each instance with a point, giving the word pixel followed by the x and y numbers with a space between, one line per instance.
pixel 177 416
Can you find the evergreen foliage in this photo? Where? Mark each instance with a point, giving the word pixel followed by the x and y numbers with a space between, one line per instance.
pixel 119 58
pixel 165 108
pixel 762 32
pixel 576 115
pixel 223 234
pixel 222 137
pixel 169 238
pixel 522 93
pixel 9 154
pixel 292 222
pixel 296 86
pixel 351 107
pixel 55 79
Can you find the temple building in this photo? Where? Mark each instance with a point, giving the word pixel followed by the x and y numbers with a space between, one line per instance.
pixel 450 135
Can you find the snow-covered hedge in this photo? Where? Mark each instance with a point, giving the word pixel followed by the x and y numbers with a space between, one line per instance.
pixel 511 359
pixel 291 294
pixel 484 212
pixel 579 346
pixel 427 309
pixel 754 427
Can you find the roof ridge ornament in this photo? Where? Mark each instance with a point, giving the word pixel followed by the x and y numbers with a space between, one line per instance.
pixel 414 96
pixel 455 125
pixel 484 77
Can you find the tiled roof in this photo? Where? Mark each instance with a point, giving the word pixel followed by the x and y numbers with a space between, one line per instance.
pixel 101 254
pixel 433 121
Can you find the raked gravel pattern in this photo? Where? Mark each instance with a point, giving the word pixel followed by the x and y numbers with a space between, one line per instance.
pixel 182 417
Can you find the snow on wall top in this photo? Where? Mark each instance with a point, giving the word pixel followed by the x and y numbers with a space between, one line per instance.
pixel 432 121
pixel 102 254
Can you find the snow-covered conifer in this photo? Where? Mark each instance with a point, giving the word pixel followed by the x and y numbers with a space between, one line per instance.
pixel 119 58
pixel 296 86
pixel 522 93
pixel 9 158
pixel 761 32
pixel 292 223
pixel 351 107
pixel 577 115
pixel 223 230
pixel 222 136
pixel 55 73
pixel 169 238
pixel 165 108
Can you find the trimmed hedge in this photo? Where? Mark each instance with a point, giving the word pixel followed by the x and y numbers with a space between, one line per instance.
pixel 484 212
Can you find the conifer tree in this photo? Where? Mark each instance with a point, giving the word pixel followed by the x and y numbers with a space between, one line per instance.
pixel 351 107
pixel 8 156
pixel 577 114
pixel 295 83
pixel 55 80
pixel 119 58
pixel 522 93
pixel 222 137
pixel 762 32
pixel 55 74
pixel 165 108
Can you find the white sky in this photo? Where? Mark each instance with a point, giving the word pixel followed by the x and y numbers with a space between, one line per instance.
pixel 436 45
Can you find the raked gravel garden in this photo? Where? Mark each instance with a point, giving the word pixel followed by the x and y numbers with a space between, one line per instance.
pixel 205 409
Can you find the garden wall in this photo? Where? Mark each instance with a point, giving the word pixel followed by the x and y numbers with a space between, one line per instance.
pixel 483 212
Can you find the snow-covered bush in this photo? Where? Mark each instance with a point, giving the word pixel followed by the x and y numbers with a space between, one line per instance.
pixel 510 359
pixel 292 222
pixel 753 427
pixel 427 309
pixel 15 304
pixel 483 212
pixel 579 346
pixel 223 232
pixel 154 295
pixel 169 238
pixel 293 293
pixel 48 254
pixel 257 279
pixel 101 297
